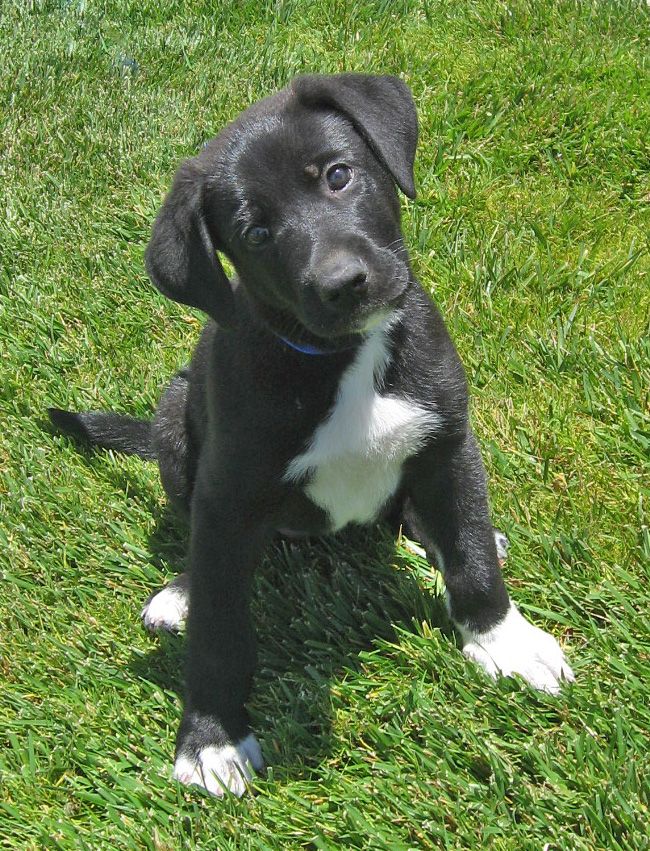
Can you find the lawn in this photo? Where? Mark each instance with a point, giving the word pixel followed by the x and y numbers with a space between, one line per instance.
pixel 531 230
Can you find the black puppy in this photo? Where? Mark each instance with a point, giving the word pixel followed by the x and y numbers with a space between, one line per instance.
pixel 325 390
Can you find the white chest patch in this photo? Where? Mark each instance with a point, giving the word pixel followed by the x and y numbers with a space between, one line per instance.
pixel 354 460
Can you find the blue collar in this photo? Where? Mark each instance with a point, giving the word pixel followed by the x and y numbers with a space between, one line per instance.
pixel 306 349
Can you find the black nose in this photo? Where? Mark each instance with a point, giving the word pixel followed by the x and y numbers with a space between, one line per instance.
pixel 343 282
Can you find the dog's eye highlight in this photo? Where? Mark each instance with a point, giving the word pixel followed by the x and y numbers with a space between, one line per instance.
pixel 257 235
pixel 338 176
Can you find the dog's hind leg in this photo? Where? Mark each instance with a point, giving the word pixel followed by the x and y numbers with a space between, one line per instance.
pixel 172 443
pixel 167 609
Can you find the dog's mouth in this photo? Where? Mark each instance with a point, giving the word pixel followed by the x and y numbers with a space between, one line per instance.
pixel 317 338
pixel 341 333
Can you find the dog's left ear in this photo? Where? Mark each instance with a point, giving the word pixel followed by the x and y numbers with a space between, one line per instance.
pixel 181 259
pixel 380 108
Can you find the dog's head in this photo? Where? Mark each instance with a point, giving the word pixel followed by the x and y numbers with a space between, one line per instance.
pixel 299 193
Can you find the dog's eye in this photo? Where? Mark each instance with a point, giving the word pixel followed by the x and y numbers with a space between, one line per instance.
pixel 338 176
pixel 257 235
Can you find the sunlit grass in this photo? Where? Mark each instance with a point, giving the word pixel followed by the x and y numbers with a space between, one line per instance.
pixel 531 230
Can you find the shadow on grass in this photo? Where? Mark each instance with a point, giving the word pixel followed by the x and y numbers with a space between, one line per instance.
pixel 317 604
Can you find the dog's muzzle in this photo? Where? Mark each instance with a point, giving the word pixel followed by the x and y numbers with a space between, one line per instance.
pixel 346 288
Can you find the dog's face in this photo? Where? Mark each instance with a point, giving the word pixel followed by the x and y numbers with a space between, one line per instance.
pixel 310 220
pixel 299 193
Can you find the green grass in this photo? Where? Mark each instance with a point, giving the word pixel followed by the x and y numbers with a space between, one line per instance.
pixel 532 230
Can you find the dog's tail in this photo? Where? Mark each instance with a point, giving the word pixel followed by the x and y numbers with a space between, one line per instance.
pixel 111 431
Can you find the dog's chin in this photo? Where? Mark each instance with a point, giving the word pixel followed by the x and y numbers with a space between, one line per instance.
pixel 341 334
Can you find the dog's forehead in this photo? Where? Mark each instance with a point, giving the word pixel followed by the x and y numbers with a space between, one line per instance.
pixel 275 144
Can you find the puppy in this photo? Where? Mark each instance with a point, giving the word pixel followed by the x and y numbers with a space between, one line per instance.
pixel 324 391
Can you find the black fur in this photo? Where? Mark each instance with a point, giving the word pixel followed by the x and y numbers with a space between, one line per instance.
pixel 112 431
pixel 228 426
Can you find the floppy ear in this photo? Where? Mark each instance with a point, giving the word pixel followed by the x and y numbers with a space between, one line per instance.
pixel 181 259
pixel 380 108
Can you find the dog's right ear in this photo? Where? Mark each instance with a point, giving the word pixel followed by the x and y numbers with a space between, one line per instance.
pixel 382 110
pixel 181 259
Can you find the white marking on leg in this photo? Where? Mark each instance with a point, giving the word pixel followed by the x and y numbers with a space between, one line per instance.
pixel 516 646
pixel 229 768
pixel 166 610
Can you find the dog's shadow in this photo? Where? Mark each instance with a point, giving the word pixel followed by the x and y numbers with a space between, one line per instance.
pixel 317 604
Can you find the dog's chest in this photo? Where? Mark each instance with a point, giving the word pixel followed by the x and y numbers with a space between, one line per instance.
pixel 352 465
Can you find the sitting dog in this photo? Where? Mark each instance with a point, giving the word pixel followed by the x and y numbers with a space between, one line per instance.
pixel 324 391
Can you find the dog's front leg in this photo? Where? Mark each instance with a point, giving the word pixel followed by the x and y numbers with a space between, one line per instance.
pixel 215 746
pixel 447 506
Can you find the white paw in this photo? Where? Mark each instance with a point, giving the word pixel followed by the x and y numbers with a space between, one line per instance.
pixel 221 769
pixel 166 610
pixel 515 646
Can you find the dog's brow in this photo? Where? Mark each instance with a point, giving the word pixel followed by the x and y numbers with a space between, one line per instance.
pixel 245 214
pixel 333 150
